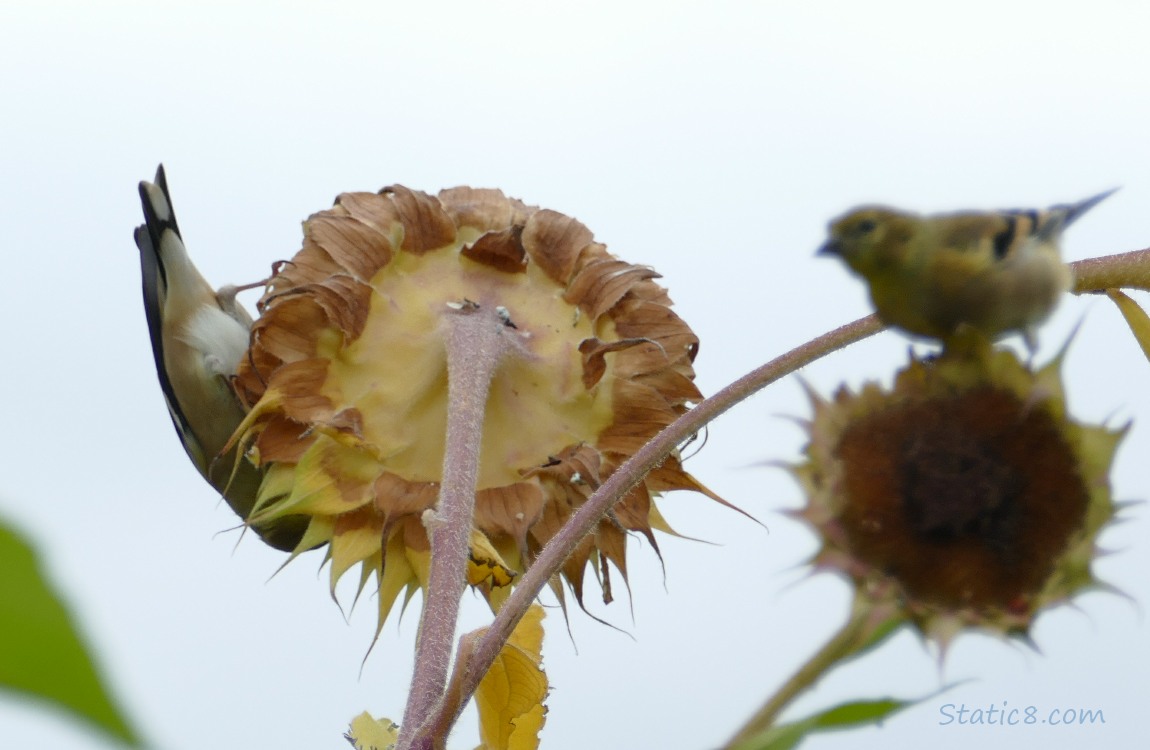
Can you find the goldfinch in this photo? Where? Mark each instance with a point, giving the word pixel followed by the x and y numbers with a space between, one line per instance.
pixel 998 272
pixel 199 336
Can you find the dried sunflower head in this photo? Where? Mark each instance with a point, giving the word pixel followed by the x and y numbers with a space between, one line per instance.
pixel 963 496
pixel 346 382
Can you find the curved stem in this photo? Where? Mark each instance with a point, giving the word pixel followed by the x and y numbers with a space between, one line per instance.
pixel 475 345
pixel 439 708
pixel 552 556
pixel 867 625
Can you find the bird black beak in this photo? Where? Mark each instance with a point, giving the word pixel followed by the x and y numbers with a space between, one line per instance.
pixel 830 247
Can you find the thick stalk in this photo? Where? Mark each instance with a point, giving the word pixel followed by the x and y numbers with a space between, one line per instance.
pixel 476 341
pixel 552 556
pixel 1125 270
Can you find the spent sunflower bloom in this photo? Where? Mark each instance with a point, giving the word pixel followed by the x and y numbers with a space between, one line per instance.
pixel 346 384
pixel 963 496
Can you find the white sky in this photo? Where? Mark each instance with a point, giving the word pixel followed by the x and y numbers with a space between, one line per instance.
pixel 710 140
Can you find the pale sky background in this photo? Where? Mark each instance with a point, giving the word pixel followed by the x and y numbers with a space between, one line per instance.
pixel 710 140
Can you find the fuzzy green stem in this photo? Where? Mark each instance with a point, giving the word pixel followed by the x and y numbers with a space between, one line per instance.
pixel 1125 270
pixel 867 625
pixel 556 551
pixel 476 342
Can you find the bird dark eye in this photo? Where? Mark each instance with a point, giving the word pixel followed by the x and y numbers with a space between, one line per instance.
pixel 866 226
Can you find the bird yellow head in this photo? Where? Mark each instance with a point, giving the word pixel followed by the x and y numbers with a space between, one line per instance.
pixel 870 239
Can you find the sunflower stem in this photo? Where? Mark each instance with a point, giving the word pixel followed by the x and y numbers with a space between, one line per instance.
pixel 1124 270
pixel 1128 270
pixel 552 556
pixel 868 624
pixel 476 342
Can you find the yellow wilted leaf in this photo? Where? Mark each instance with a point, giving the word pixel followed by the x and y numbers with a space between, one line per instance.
pixel 486 564
pixel 1135 316
pixel 510 696
pixel 366 733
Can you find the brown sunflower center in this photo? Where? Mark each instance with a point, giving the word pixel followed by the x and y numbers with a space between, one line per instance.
pixel 955 483
pixel 967 499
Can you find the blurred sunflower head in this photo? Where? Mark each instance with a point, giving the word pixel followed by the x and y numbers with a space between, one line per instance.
pixel 964 496
pixel 346 382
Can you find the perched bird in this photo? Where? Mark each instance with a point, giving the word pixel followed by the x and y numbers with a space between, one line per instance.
pixel 199 336
pixel 998 271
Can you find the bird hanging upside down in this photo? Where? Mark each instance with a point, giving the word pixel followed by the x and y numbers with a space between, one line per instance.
pixel 199 336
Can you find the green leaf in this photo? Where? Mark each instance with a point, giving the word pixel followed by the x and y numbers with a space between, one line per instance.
pixel 844 716
pixel 41 653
